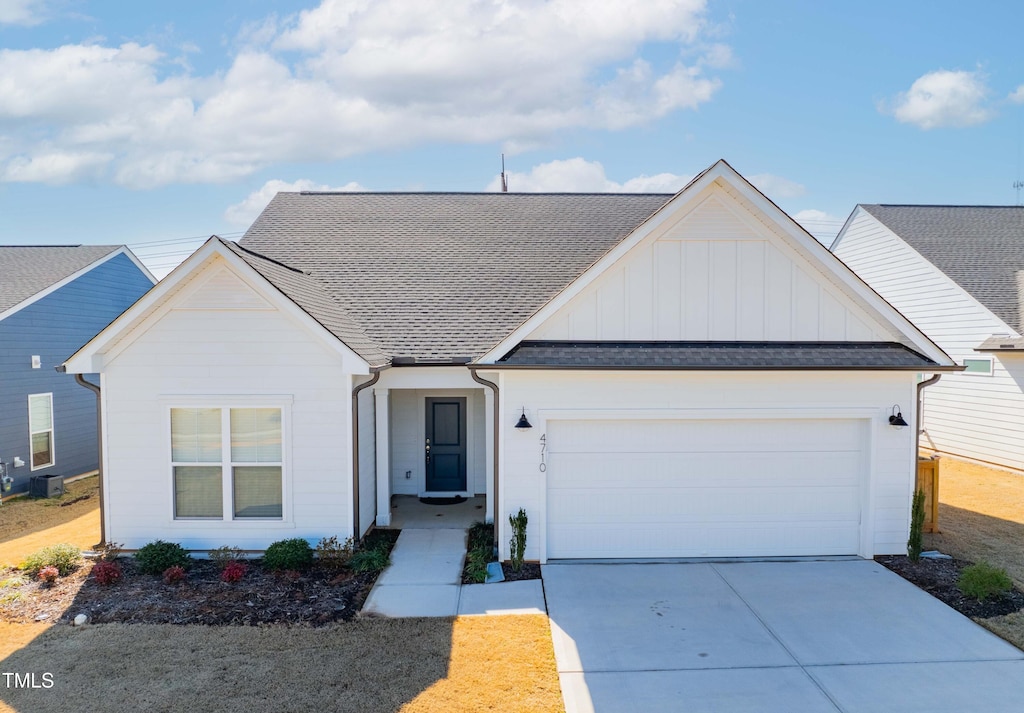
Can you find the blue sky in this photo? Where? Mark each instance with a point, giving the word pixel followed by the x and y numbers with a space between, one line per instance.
pixel 158 124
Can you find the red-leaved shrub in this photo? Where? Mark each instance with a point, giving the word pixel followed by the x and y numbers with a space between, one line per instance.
pixel 106 573
pixel 49 574
pixel 173 575
pixel 233 571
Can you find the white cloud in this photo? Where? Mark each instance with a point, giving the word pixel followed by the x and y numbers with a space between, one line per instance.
pixel 944 99
pixel 246 211
pixel 22 12
pixel 776 187
pixel 823 226
pixel 577 175
pixel 1017 96
pixel 352 76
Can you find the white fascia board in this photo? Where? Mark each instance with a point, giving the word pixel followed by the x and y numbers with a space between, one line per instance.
pixel 155 303
pixel 857 210
pixel 939 273
pixel 74 276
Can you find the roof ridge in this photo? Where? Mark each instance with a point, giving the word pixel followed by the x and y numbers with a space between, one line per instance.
pixel 264 257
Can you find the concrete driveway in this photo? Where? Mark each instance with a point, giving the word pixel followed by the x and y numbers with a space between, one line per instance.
pixel 769 636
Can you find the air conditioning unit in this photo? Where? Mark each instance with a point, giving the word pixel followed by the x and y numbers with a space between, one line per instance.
pixel 46 486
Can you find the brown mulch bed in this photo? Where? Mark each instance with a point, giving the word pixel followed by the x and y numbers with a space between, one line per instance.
pixel 939 578
pixel 317 597
pixel 530 570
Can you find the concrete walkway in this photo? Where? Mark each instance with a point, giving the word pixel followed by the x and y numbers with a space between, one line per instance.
pixel 424 579
pixel 769 636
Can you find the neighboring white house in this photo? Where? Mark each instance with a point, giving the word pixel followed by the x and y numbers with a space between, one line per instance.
pixel 957 272
pixel 701 377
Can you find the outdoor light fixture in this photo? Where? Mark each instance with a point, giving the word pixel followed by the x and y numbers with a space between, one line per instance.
pixel 523 423
pixel 896 417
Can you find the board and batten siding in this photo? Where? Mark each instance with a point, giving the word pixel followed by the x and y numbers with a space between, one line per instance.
pixel 867 396
pixel 54 327
pixel 970 415
pixel 227 344
pixel 713 276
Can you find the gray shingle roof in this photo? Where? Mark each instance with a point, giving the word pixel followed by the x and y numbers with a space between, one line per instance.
pixel 981 248
pixel 304 290
pixel 28 270
pixel 439 276
pixel 715 355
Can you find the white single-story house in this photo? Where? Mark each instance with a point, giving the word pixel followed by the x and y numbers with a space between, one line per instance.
pixel 699 377
pixel 957 272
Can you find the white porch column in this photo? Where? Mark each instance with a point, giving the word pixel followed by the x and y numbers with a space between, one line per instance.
pixel 383 436
pixel 489 450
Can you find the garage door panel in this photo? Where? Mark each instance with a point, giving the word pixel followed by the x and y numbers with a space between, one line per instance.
pixel 704 488
pixel 734 505
pixel 644 435
pixel 704 469
pixel 765 540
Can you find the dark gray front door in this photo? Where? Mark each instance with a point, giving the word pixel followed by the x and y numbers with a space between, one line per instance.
pixel 446 444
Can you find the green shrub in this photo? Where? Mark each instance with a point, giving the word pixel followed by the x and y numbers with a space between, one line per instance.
pixel 983 580
pixel 223 556
pixel 64 557
pixel 334 555
pixel 480 552
pixel 370 560
pixel 158 556
pixel 916 525
pixel 294 554
pixel 518 541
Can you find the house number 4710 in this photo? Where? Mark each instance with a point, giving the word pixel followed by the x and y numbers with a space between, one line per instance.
pixel 543 445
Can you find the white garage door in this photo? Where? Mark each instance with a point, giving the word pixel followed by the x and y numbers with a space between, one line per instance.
pixel 716 488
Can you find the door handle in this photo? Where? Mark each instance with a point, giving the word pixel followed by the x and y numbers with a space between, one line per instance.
pixel 428 450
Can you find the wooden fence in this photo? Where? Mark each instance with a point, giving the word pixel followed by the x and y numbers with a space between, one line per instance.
pixel 928 481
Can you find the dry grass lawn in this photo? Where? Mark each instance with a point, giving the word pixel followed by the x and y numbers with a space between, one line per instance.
pixel 417 665
pixel 28 524
pixel 981 517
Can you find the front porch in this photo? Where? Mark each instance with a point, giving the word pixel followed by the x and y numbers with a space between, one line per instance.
pixel 409 512
pixel 425 432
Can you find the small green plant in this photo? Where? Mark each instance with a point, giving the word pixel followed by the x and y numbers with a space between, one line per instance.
pixel 64 557
pixel 225 555
pixel 333 555
pixel 158 556
pixel 517 544
pixel 48 575
pixel 9 598
pixel 372 555
pixel 371 560
pixel 106 572
pixel 983 580
pixel 916 525
pixel 13 582
pixel 295 554
pixel 174 574
pixel 479 552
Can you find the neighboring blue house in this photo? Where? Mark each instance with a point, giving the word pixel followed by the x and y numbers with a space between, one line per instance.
pixel 54 299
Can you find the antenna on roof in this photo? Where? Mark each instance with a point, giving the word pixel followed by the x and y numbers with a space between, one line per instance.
pixel 1018 185
pixel 504 178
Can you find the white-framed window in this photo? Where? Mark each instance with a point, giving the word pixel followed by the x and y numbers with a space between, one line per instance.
pixel 227 463
pixel 978 367
pixel 40 430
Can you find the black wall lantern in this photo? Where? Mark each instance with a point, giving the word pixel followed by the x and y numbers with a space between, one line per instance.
pixel 524 423
pixel 896 417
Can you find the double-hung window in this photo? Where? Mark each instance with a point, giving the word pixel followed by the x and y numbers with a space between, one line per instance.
pixel 40 427
pixel 227 463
